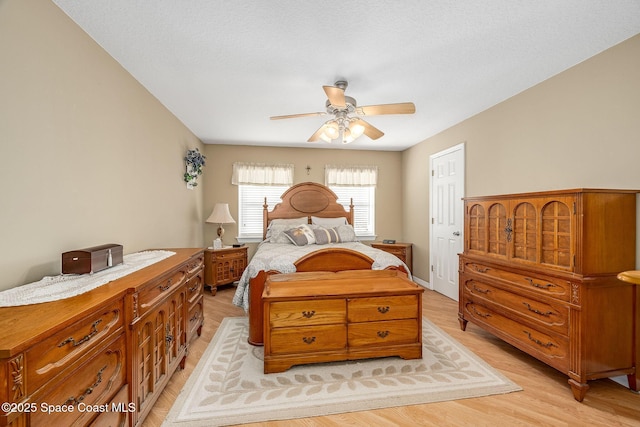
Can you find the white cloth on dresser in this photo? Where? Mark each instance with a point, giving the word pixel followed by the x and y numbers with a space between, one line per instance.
pixel 281 257
pixel 53 288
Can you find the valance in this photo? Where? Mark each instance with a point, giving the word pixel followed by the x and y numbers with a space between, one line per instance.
pixel 351 176
pixel 262 174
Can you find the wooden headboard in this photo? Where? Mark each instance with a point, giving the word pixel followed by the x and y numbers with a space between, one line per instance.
pixel 306 199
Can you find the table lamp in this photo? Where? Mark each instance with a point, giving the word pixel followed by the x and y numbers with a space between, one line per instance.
pixel 220 215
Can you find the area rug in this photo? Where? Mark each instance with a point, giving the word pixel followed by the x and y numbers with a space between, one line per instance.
pixel 228 385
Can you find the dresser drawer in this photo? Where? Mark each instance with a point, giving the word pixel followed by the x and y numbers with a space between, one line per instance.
pixel 551 349
pixel 94 382
pixel 194 266
pixel 54 354
pixel 382 308
pixel 150 294
pixel 550 314
pixel 195 288
pixel 308 339
pixel 118 414
pixel 383 333
pixel 543 285
pixel 195 318
pixel 307 313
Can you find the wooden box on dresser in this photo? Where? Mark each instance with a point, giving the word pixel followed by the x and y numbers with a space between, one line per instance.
pixel 77 356
pixel 539 271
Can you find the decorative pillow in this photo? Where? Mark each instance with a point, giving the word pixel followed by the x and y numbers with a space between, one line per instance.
pixel 346 233
pixel 326 235
pixel 328 222
pixel 275 233
pixel 301 236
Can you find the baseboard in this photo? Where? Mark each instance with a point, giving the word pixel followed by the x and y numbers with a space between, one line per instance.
pixel 422 283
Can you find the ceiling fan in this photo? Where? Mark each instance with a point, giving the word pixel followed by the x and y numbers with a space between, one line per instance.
pixel 346 126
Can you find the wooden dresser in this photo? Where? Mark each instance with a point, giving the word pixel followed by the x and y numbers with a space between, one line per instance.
pixel 102 357
pixel 223 266
pixel 401 250
pixel 325 316
pixel 539 271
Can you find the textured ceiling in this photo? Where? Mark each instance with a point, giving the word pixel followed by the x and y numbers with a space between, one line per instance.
pixel 224 67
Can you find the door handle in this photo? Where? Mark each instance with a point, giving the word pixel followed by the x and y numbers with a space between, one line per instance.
pixel 456 233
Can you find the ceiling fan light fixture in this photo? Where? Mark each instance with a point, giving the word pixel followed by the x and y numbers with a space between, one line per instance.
pixel 356 129
pixel 330 131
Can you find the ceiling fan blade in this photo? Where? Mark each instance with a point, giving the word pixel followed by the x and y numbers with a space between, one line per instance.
pixel 293 116
pixel 377 110
pixel 369 130
pixel 316 135
pixel 335 95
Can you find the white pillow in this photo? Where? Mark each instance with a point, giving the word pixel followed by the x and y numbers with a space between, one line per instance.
pixel 289 221
pixel 328 222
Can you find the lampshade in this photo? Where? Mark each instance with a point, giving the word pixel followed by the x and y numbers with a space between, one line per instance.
pixel 221 214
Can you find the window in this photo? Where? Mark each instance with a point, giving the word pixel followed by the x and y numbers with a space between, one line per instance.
pixel 363 208
pixel 251 206
pixel 357 183
pixel 256 181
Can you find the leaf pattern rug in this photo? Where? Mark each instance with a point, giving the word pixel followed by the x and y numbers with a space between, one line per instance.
pixel 228 385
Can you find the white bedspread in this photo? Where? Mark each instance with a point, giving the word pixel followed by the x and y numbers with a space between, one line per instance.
pixel 280 257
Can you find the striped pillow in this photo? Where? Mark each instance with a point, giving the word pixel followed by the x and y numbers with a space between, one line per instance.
pixel 326 235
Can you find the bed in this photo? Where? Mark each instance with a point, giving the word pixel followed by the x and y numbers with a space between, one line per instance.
pixel 308 211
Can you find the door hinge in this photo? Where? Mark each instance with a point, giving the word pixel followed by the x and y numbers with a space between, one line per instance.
pixel 433 221
pixel 433 172
pixel 432 268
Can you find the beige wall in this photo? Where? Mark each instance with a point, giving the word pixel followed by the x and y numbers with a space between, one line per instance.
pixel 218 187
pixel 87 155
pixel 580 128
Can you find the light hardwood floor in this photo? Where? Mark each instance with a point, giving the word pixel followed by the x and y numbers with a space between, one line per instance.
pixel 546 400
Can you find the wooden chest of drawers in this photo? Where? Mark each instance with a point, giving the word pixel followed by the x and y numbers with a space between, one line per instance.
pixel 539 271
pixel 325 316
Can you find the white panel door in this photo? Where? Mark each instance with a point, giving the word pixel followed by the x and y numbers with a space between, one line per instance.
pixel 447 190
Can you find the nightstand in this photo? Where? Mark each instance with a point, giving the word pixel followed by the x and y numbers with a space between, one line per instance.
pixel 223 266
pixel 401 250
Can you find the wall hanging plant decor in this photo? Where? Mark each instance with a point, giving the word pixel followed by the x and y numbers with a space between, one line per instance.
pixel 194 162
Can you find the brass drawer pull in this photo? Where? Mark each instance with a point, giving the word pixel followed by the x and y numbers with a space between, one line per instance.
pixel 383 334
pixel 477 313
pixel 537 341
pixel 165 287
pixel 383 310
pixel 482 291
pixel 309 340
pixel 308 314
pixel 480 269
pixel 75 400
pixel 536 311
pixel 94 330
pixel 538 285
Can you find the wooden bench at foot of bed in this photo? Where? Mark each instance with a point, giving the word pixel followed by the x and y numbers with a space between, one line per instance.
pixel 312 317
